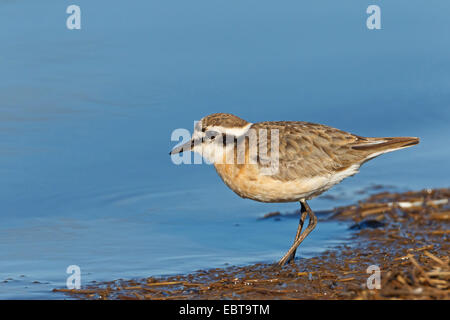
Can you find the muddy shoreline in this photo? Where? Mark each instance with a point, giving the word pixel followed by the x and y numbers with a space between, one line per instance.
pixel 402 238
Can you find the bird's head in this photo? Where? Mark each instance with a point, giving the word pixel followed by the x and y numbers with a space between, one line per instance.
pixel 212 133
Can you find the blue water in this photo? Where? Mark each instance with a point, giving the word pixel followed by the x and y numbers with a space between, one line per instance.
pixel 86 117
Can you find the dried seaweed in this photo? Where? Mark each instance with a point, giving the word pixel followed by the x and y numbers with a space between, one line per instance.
pixel 410 246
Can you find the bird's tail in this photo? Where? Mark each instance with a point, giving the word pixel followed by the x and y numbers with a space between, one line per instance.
pixel 377 146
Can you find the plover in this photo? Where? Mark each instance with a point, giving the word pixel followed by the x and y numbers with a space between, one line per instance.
pixel 306 160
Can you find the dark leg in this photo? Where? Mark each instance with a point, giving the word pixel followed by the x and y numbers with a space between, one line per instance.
pixel 311 225
pixel 303 215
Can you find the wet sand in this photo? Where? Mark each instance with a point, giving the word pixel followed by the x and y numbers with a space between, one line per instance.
pixel 404 236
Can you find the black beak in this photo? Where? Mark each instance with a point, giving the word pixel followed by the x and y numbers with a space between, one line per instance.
pixel 184 147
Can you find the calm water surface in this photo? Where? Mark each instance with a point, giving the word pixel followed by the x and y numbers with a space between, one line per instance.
pixel 86 118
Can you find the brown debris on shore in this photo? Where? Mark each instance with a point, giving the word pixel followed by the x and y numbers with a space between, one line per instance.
pixel 404 235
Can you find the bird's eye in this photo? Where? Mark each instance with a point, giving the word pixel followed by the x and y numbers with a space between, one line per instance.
pixel 211 134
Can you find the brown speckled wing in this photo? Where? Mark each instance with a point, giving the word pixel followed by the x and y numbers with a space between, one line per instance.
pixel 308 150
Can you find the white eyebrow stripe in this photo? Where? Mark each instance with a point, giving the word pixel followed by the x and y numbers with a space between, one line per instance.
pixel 231 131
pixel 198 135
